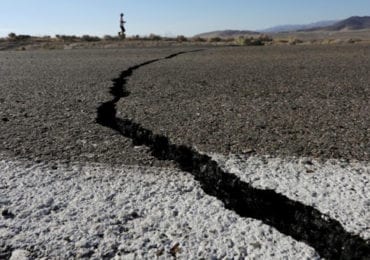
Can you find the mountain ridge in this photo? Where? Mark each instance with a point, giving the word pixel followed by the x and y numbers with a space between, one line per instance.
pixel 353 23
pixel 226 33
pixel 296 27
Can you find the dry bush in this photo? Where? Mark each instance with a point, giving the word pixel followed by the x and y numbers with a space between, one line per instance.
pixel 214 39
pixel 88 38
pixel 181 38
pixel 198 39
pixel 133 38
pixel 108 38
pixel 154 37
pixel 281 41
pixel 265 38
pixel 327 41
pixel 14 37
pixel 242 41
pixel 294 41
pixel 354 40
pixel 245 41
pixel 230 39
pixel 69 38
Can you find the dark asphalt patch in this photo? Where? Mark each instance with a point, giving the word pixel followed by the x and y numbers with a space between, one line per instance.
pixel 48 105
pixel 283 101
pixel 303 223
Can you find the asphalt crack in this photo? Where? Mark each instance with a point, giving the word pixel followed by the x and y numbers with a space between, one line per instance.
pixel 303 223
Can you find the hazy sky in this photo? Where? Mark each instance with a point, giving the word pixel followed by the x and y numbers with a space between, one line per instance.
pixel 166 17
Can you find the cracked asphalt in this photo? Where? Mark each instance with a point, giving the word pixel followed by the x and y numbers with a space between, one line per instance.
pixel 280 100
pixel 48 105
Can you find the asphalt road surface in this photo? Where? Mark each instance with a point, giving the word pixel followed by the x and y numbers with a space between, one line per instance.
pixel 223 152
pixel 282 101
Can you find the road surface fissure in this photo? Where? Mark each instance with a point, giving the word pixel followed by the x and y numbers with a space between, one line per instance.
pixel 303 223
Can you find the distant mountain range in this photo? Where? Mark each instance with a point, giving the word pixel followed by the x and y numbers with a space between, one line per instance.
pixel 226 33
pixel 352 23
pixel 296 27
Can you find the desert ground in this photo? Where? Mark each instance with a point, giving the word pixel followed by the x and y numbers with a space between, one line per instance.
pixel 186 152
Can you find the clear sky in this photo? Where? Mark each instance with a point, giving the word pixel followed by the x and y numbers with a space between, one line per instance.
pixel 166 17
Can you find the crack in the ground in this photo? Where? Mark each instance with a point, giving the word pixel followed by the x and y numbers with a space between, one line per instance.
pixel 6 252
pixel 303 223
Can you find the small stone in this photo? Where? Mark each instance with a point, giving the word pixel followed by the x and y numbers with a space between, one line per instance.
pixel 175 249
pixel 20 254
pixel 256 245
pixel 160 252
pixel 248 151
pixel 4 119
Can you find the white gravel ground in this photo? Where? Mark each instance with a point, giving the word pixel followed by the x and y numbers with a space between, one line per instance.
pixel 77 210
pixel 337 188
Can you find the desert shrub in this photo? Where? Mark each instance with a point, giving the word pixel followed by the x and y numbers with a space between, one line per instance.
pixel 230 39
pixel 154 37
pixel 12 36
pixel 281 40
pixel 256 42
pixel 88 38
pixel 215 39
pixel 354 40
pixel 23 37
pixel 50 46
pixel 198 39
pixel 135 38
pixel 181 38
pixel 66 37
pixel 294 41
pixel 327 41
pixel 108 38
pixel 169 39
pixel 245 41
pixel 242 41
pixel 265 38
